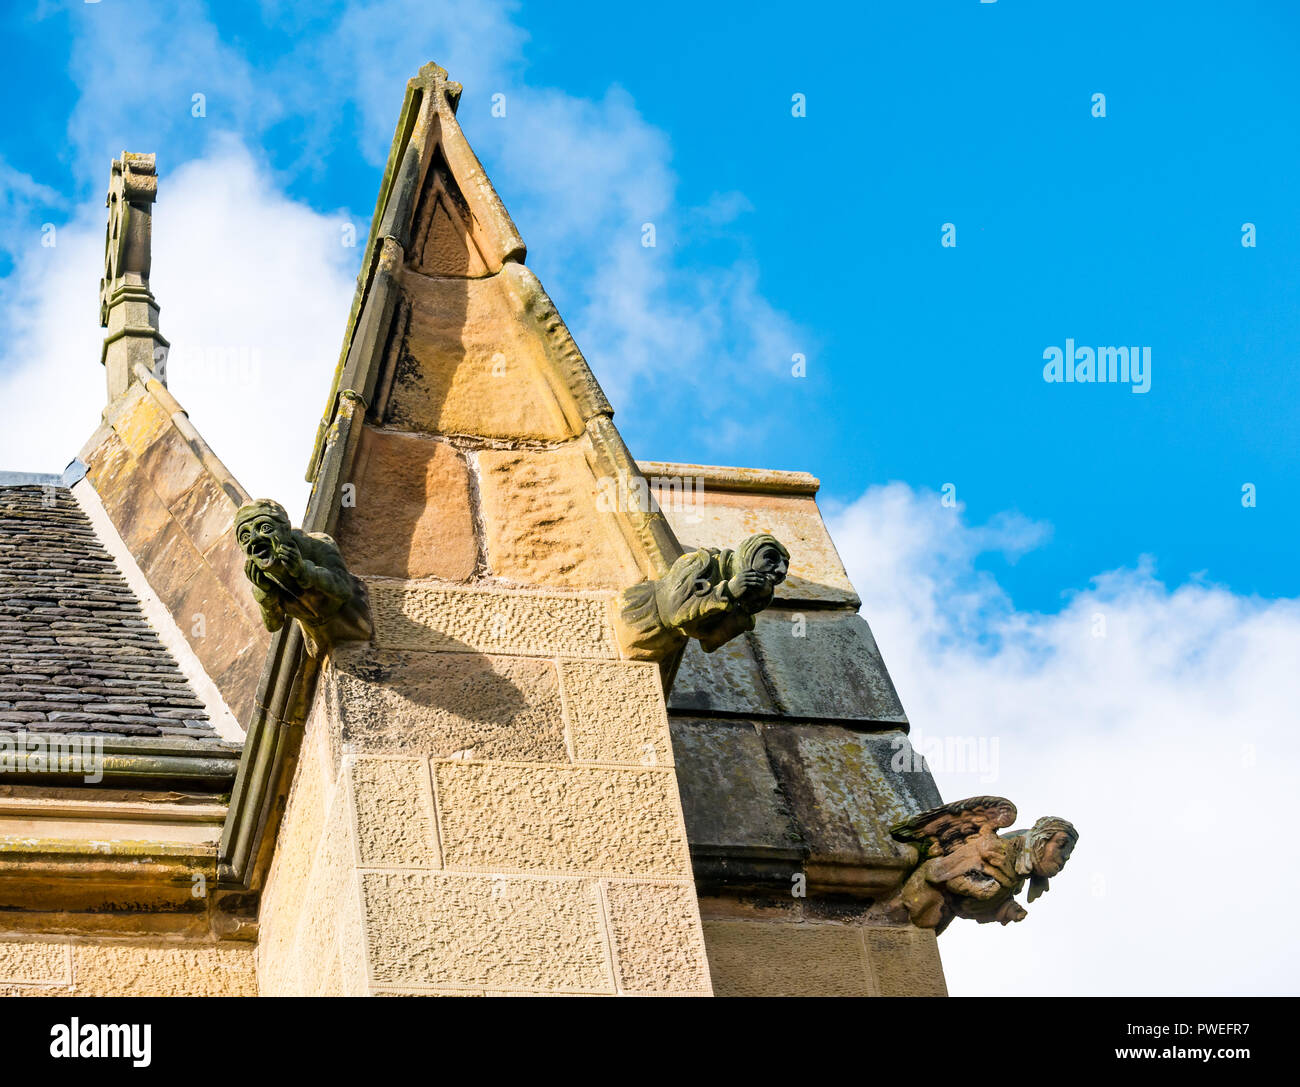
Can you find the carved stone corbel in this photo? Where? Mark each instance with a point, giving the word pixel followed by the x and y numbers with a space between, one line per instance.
pixel 965 869
pixel 301 576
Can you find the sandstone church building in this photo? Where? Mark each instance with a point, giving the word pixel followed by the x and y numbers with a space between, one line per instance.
pixel 494 719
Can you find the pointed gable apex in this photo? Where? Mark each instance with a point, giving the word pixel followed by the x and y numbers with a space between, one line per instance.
pixel 437 204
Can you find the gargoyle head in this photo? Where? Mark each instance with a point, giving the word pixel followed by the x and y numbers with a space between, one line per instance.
pixel 766 555
pixel 264 531
pixel 1050 842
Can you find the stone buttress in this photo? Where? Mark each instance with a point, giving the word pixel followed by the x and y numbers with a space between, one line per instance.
pixel 485 798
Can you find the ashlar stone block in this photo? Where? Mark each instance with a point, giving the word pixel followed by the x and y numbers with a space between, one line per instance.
pixel 392 813
pixel 727 680
pixel 616 713
pixel 774 958
pixel 577 819
pixel 466 705
pixel 905 961
pixel 411 515
pixel 544 521
pixel 113 968
pixel 658 943
pixel 420 615
pixel 35 962
pixel 825 664
pixel 431 930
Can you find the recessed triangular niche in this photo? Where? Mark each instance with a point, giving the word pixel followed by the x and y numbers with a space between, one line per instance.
pixel 442 237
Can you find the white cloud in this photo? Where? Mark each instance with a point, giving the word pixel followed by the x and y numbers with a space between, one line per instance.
pixel 1171 743
pixel 254 290
pixel 22 198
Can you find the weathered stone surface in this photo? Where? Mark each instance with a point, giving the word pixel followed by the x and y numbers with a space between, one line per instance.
pixel 543 522
pixel 170 466
pixel 440 239
pixel 35 962
pixel 759 958
pixel 412 516
pixel 904 961
pixel 718 518
pixel 139 421
pixel 449 704
pixel 208 513
pixel 833 669
pixel 238 683
pixel 435 930
pixel 214 625
pixel 616 712
pixel 468 365
pixel 328 920
pixel 604 821
pixel 658 943
pixel 414 615
pixel 144 523
pixel 728 680
pixel 226 559
pixel 141 969
pixel 843 791
pixel 300 835
pixel 730 796
pixel 169 560
pixel 393 813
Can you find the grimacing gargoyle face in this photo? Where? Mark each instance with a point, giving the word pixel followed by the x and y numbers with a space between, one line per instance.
pixel 1052 853
pixel 262 537
pixel 771 562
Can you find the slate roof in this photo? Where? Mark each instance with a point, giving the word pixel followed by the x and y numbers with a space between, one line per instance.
pixel 77 655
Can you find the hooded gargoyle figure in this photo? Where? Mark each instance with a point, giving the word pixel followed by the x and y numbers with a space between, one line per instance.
pixel 709 594
pixel 301 575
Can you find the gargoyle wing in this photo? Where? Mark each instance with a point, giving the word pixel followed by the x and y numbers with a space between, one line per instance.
pixel 940 831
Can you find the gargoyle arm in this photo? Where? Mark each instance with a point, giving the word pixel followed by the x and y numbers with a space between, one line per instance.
pixel 942 869
pixel 333 583
pixel 272 610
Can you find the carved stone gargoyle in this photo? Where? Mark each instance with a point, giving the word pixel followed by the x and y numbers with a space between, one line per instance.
pixel 709 594
pixel 965 869
pixel 300 575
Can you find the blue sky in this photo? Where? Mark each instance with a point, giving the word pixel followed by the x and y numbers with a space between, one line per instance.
pixel 924 362
pixel 817 235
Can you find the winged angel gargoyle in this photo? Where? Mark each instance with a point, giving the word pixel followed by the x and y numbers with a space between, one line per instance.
pixel 967 870
pixel 300 575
